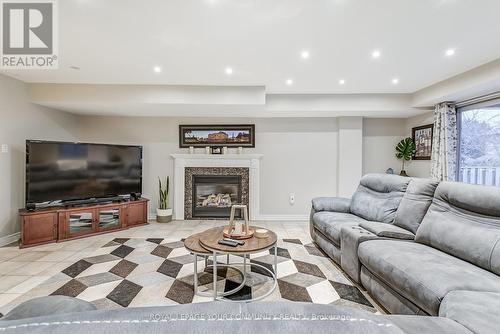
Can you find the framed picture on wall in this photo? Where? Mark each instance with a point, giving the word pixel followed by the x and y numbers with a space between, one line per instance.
pixel 422 137
pixel 216 150
pixel 217 135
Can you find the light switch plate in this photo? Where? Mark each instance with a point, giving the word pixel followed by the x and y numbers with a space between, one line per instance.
pixel 5 148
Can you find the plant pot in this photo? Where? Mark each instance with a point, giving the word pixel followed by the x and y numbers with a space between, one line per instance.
pixel 163 215
pixel 403 173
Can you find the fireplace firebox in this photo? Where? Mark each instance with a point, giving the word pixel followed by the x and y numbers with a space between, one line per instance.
pixel 213 195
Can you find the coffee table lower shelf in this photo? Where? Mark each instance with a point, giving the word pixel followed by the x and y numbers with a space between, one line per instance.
pixel 217 296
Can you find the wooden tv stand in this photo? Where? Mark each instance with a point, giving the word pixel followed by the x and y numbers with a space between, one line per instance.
pixel 57 224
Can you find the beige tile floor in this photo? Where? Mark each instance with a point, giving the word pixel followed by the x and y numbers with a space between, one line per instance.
pixel 23 269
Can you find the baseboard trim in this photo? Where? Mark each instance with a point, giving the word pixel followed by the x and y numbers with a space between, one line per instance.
pixel 8 239
pixel 281 218
pixel 152 216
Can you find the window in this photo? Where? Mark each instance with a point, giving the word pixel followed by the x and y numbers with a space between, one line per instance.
pixel 479 155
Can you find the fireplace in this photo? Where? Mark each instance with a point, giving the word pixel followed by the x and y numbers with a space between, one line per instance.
pixel 210 191
pixel 213 195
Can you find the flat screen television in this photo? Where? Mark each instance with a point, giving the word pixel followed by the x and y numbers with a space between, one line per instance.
pixel 64 171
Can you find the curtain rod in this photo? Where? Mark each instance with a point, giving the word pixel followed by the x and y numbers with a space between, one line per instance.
pixel 479 99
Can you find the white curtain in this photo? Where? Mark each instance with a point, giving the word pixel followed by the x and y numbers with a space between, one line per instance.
pixel 445 143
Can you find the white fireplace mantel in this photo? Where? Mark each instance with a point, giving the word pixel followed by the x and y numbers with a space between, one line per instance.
pixel 250 161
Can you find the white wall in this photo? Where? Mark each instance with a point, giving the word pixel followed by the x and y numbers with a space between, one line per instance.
pixel 300 155
pixel 21 120
pixel 418 168
pixel 350 155
pixel 380 137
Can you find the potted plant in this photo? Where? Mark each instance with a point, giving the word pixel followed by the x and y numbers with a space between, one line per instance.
pixel 404 151
pixel 163 212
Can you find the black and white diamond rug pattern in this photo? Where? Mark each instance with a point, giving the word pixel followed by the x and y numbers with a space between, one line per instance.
pixel 134 272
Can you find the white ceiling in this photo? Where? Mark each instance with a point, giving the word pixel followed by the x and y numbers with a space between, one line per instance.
pixel 120 41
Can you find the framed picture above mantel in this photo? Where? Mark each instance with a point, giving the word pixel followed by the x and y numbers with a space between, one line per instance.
pixel 422 137
pixel 242 135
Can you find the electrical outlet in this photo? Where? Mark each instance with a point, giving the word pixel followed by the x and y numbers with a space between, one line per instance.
pixel 292 198
pixel 5 148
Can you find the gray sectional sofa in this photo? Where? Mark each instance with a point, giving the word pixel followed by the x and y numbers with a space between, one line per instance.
pixel 417 245
pixel 428 252
pixel 57 314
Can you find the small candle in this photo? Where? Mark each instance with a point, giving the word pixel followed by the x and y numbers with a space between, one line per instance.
pixel 224 150
pixel 240 150
pixel 207 150
pixel 191 149
pixel 261 233
pixel 238 228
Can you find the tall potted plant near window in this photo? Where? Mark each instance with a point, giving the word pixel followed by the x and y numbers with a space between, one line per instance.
pixel 405 151
pixel 163 212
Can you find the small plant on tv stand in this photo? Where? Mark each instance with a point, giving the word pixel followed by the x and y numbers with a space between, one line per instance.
pixel 163 212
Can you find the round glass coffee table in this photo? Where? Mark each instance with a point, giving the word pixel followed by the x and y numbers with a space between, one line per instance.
pixel 207 243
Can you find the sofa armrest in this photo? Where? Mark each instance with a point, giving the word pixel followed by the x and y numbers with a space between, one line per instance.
pixel 333 204
pixel 350 239
pixel 387 230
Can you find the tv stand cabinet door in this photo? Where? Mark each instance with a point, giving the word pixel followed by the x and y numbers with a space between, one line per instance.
pixel 137 213
pixel 79 222
pixel 39 228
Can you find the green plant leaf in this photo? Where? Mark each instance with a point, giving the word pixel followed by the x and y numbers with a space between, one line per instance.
pixel 163 191
pixel 405 149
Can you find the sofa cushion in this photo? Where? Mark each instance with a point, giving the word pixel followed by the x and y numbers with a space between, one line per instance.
pixel 422 274
pixel 378 196
pixel 478 311
pixel 415 203
pixel 327 246
pixel 387 230
pixel 464 221
pixel 392 301
pixel 330 223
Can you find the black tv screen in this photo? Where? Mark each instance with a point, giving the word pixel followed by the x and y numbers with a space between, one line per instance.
pixel 60 171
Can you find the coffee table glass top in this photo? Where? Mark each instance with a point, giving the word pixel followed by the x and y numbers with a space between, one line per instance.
pixel 209 240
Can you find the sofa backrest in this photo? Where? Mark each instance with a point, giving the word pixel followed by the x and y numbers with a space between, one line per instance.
pixel 415 203
pixel 378 196
pixel 464 221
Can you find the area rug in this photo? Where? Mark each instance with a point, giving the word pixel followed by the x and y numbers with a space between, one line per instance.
pixel 135 272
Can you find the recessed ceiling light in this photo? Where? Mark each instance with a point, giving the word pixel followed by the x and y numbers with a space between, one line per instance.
pixel 395 81
pixel 450 52
pixel 289 82
pixel 341 82
pixel 304 54
pixel 376 54
pixel 229 70
pixel 157 69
